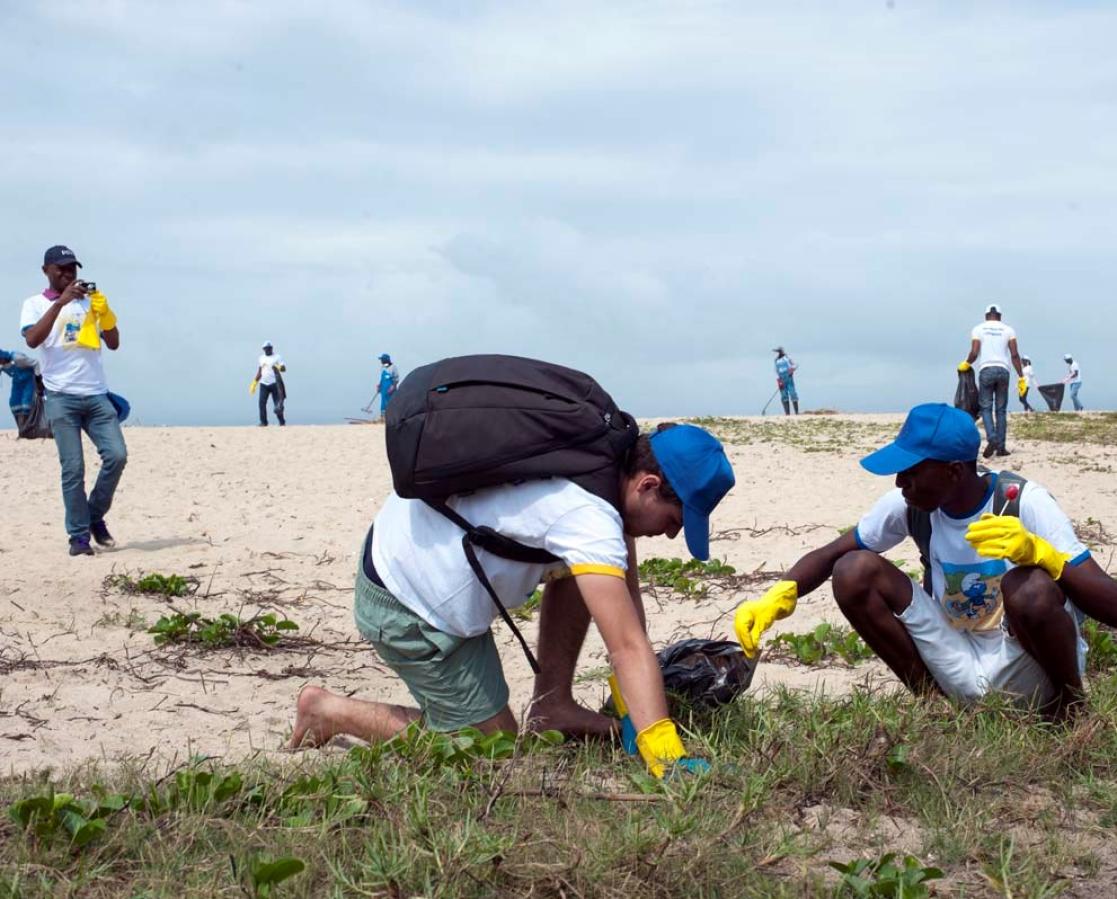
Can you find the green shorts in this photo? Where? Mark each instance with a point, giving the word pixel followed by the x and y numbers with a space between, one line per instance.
pixel 457 681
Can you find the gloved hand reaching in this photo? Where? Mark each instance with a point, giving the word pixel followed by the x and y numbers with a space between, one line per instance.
pixel 628 729
pixel 755 616
pixel 964 366
pixel 1021 386
pixel 99 306
pixel 1005 537
pixel 252 386
pixel 663 751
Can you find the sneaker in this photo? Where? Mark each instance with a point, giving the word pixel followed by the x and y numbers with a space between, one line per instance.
pixel 990 448
pixel 1001 451
pixel 101 534
pixel 79 546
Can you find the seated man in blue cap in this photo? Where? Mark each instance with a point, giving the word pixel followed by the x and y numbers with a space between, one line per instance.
pixel 1000 608
pixel 425 612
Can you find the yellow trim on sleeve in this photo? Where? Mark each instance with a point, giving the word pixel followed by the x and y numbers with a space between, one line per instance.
pixel 596 568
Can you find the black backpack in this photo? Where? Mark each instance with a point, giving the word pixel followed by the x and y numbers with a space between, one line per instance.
pixel 919 522
pixel 471 422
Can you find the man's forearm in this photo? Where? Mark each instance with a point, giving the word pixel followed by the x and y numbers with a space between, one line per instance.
pixel 112 338
pixel 1092 590
pixel 813 569
pixel 39 331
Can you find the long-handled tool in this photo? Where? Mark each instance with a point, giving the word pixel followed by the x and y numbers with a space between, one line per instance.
pixel 764 411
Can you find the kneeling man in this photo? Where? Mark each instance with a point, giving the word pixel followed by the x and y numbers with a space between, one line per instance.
pixel 1000 613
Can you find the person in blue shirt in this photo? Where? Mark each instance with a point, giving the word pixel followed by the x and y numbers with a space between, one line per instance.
pixel 785 380
pixel 23 370
pixel 389 381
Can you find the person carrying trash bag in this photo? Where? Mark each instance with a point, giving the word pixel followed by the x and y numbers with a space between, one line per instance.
pixel 1028 374
pixel 992 350
pixel 508 472
pixel 68 322
pixel 1005 575
pixel 785 380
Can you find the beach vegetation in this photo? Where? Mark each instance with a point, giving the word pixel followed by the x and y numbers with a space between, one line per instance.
pixel 170 586
pixel 690 577
pixel 893 790
pixel 261 631
pixel 824 645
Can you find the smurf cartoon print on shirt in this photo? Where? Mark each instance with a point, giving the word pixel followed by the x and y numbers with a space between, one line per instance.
pixel 972 594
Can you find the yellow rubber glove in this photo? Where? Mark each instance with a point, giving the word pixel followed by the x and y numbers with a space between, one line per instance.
pixel 1005 537
pixel 964 366
pixel 660 746
pixel 88 335
pixel 755 616
pixel 99 306
pixel 252 387
pixel 1021 386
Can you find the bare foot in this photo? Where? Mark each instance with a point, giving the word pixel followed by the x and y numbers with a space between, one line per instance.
pixel 570 719
pixel 312 726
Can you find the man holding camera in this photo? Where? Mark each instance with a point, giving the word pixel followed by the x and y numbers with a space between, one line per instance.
pixel 68 321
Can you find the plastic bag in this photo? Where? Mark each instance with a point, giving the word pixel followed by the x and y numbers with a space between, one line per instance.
pixel 706 672
pixel 36 426
pixel 1053 395
pixel 965 395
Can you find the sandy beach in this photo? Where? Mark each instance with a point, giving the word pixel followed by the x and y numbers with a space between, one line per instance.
pixel 272 520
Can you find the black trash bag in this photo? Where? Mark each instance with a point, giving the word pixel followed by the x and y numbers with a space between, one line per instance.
pixel 706 672
pixel 1052 395
pixel 965 395
pixel 36 426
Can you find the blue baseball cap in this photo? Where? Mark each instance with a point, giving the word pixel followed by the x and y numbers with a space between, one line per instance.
pixel 695 466
pixel 931 431
pixel 384 357
pixel 60 255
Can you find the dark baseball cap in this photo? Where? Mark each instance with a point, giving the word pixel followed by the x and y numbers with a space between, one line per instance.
pixel 60 255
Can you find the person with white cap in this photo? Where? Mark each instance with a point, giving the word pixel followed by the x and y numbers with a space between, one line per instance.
pixel 1073 380
pixel 992 351
pixel 270 382
pixel 1029 383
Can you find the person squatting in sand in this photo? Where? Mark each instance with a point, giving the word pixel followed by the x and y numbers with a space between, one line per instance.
pixel 1003 609
pixel 420 605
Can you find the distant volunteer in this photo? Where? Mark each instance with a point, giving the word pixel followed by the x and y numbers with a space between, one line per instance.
pixel 424 610
pixel 387 383
pixel 1006 575
pixel 68 322
pixel 1029 383
pixel 269 379
pixel 785 380
pixel 1073 380
pixel 992 352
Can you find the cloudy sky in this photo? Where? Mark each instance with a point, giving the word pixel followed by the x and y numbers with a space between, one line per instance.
pixel 657 193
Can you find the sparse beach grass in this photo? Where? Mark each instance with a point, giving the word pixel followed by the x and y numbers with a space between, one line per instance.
pixel 813 434
pixel 1099 428
pixel 1003 804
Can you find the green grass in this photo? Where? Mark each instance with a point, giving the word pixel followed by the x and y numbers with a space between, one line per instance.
pixel 1055 427
pixel 152 584
pixel 817 434
pixel 1002 804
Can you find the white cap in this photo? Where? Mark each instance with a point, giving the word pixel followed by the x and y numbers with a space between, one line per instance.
pixel 1068 357
pixel 992 308
pixel 266 343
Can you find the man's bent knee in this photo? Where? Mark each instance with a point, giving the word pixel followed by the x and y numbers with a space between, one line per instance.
pixel 1031 597
pixel 860 573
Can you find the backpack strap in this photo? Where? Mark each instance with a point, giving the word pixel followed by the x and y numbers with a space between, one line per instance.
pixel 919 529
pixel 1001 504
pixel 499 545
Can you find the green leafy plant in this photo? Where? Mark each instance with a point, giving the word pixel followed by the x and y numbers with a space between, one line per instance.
pixel 266 874
pixel 683 577
pixel 194 789
pixel 527 611
pixel 823 644
pixel 1101 642
pixel 429 750
pixel 51 814
pixel 260 631
pixel 154 584
pixel 885 877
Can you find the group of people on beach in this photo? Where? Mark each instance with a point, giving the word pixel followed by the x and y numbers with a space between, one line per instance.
pixel 1007 582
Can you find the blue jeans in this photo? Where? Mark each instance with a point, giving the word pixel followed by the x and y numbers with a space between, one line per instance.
pixel 1074 385
pixel 992 384
pixel 787 392
pixel 69 415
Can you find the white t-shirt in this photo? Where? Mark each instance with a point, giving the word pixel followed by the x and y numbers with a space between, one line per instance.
pixel 418 552
pixel 66 366
pixel 1029 377
pixel 968 586
pixel 1074 373
pixel 267 373
pixel 994 337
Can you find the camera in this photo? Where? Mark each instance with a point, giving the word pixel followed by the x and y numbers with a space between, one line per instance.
pixel 88 286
